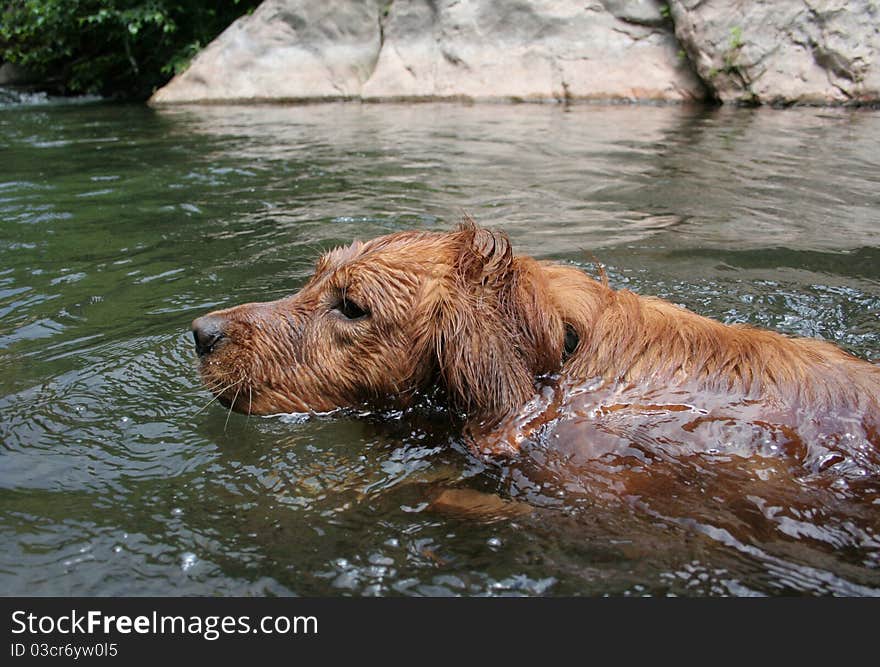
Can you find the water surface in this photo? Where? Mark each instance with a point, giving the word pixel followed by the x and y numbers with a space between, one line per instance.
pixel 119 224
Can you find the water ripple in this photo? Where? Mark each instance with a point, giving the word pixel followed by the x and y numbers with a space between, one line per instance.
pixel 120 224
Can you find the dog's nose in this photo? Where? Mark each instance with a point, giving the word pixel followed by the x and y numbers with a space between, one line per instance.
pixel 207 332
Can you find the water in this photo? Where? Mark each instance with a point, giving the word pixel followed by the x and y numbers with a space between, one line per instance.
pixel 120 224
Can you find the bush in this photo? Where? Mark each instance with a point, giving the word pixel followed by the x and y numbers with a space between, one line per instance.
pixel 122 48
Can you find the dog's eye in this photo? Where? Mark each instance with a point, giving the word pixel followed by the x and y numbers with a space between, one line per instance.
pixel 350 310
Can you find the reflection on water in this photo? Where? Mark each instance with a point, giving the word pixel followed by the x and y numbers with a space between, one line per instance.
pixel 120 224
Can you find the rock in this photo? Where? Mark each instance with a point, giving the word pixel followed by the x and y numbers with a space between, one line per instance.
pixel 784 51
pixel 441 49
pixel 645 12
pixel 529 50
pixel 762 51
pixel 285 50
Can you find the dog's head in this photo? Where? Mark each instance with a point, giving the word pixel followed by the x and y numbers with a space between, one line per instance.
pixel 381 321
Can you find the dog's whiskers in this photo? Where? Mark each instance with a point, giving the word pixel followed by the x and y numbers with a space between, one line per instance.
pixel 250 401
pixel 232 404
pixel 218 392
pixel 211 387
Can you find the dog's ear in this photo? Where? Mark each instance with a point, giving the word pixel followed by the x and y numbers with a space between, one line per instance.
pixel 485 257
pixel 520 289
pixel 478 336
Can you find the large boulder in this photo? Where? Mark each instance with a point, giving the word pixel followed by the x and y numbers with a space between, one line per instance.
pixel 441 49
pixel 530 49
pixel 285 50
pixel 783 51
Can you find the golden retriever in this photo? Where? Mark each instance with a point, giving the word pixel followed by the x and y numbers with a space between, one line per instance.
pixel 520 349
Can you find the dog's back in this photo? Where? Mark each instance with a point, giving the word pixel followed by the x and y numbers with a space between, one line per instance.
pixel 652 375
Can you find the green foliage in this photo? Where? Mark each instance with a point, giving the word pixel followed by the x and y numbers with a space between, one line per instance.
pixel 731 55
pixel 734 71
pixel 736 38
pixel 112 47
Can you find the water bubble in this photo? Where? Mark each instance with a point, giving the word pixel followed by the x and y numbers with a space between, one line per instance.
pixel 188 560
pixel 494 543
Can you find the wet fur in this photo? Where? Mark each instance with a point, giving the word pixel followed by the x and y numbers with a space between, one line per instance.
pixel 460 312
